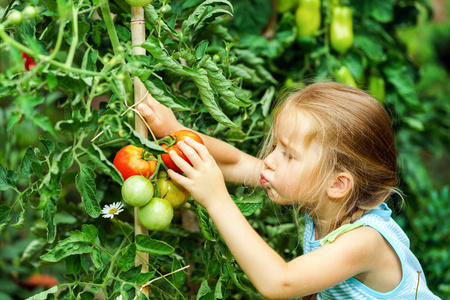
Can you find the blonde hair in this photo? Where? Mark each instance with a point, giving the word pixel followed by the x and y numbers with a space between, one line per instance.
pixel 353 133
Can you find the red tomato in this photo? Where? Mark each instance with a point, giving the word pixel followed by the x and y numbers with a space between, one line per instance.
pixel 175 137
pixel 132 160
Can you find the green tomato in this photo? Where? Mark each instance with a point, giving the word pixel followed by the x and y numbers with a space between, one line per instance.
pixel 171 191
pixel 139 3
pixel 216 57
pixel 30 12
pixel 15 17
pixel 166 9
pixel 137 190
pixel 156 215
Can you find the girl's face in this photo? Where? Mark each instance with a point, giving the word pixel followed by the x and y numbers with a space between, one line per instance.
pixel 288 167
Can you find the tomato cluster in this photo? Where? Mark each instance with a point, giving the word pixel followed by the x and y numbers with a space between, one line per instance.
pixel 155 196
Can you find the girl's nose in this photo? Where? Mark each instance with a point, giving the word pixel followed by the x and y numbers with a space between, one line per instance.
pixel 269 161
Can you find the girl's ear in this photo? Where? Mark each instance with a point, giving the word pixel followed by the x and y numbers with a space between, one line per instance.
pixel 340 186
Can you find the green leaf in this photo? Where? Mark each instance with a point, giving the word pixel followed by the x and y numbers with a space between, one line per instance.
pixel 27 103
pixel 85 183
pixel 21 216
pixel 207 96
pixel 96 258
pixel 381 10
pixel 132 273
pixel 179 277
pixel 14 118
pixel 100 160
pixel 8 178
pixel 222 84
pixel 48 144
pixel 88 234
pixel 65 249
pixel 152 17
pixel 44 295
pixel 251 16
pixel 266 100
pixel 159 92
pixel 200 78
pixel 371 47
pixel 153 147
pixel 203 290
pixel 5 216
pixel 143 278
pixel 232 271
pixel 128 257
pixel 44 123
pixel 149 245
pixel 30 164
pixel 48 215
pixel 73 264
pixel 33 250
pixel 396 73
pixel 203 221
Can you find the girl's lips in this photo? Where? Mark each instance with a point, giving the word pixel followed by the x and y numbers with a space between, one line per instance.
pixel 263 179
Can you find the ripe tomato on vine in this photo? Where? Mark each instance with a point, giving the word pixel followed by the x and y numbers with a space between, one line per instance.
pixel 132 160
pixel 169 143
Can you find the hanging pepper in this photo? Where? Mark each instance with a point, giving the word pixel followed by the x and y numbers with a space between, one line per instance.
pixel 341 29
pixel 285 5
pixel 308 17
pixel 344 76
pixel 377 88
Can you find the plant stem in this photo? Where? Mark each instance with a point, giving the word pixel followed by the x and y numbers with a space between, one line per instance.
pixel 110 26
pixel 74 44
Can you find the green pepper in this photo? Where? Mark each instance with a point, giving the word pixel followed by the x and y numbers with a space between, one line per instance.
pixel 344 76
pixel 377 88
pixel 285 5
pixel 308 17
pixel 341 29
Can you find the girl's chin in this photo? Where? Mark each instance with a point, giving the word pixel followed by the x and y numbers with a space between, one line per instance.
pixel 276 198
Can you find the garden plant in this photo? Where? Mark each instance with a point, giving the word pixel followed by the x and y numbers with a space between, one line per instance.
pixel 86 208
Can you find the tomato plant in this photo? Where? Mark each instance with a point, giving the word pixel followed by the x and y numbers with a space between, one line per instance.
pixel 171 191
pixel 137 190
pixel 219 65
pixel 132 160
pixel 171 141
pixel 156 215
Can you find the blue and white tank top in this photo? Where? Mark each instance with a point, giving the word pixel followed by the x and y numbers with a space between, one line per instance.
pixel 380 219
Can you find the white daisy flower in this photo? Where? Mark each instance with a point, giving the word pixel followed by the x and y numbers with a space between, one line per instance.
pixel 109 211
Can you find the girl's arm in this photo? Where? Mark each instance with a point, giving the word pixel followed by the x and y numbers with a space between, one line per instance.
pixel 236 166
pixel 274 278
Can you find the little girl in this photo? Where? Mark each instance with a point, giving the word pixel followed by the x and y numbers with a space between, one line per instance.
pixel 331 151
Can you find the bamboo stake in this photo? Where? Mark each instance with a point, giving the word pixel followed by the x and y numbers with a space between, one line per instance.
pixel 137 38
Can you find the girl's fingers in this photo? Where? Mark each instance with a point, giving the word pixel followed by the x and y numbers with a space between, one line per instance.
pixel 147 113
pixel 201 150
pixel 181 163
pixel 178 178
pixel 191 154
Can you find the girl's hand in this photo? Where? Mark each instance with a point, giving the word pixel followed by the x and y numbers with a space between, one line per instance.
pixel 204 180
pixel 160 118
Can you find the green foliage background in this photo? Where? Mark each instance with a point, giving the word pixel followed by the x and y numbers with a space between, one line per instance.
pixel 221 66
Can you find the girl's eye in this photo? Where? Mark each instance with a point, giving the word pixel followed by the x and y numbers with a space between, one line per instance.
pixel 287 155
